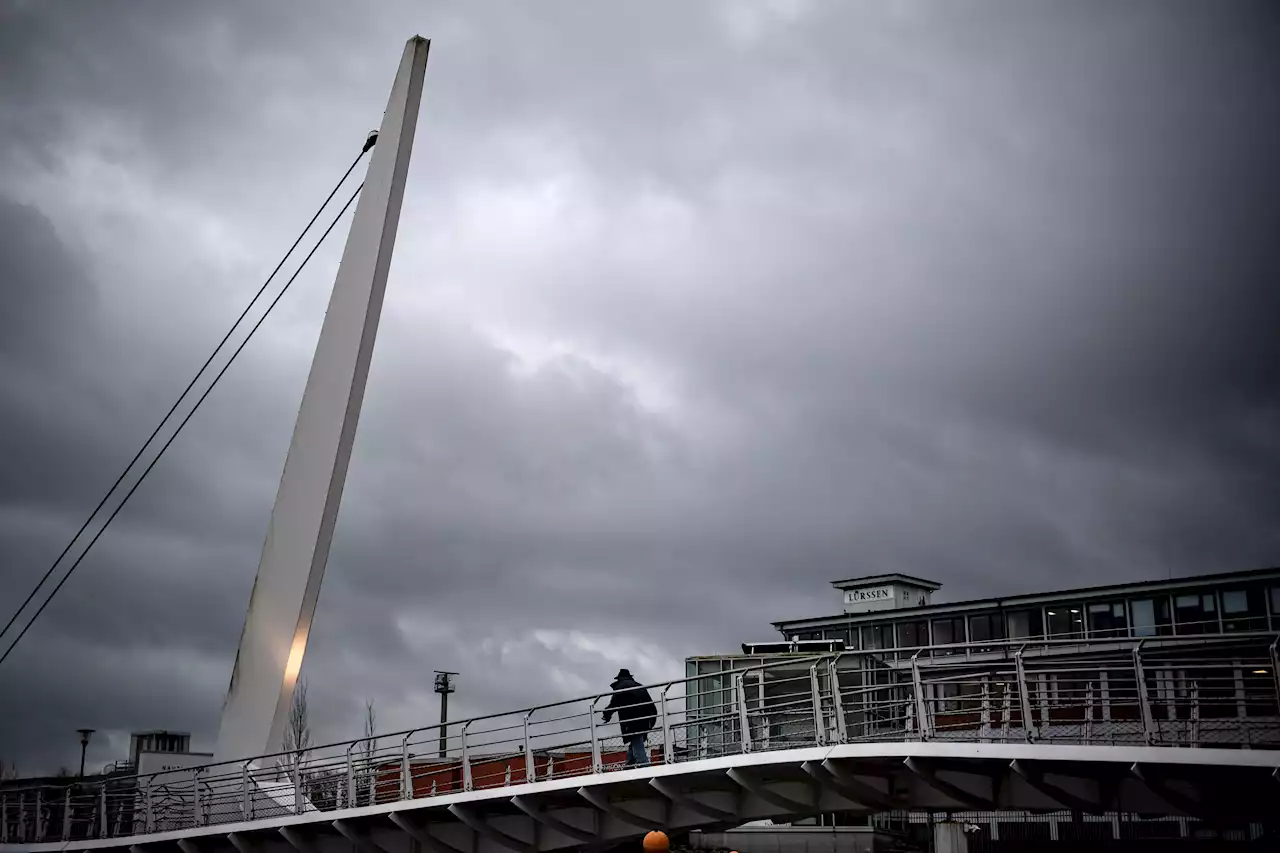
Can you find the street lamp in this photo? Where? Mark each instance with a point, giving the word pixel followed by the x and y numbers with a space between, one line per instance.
pixel 84 745
pixel 445 685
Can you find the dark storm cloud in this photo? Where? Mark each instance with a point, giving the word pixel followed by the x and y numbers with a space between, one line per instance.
pixel 693 310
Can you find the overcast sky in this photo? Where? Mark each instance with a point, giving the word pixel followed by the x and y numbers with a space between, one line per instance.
pixel 695 307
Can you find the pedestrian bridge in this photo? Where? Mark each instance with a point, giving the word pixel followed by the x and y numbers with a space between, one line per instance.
pixel 1179 726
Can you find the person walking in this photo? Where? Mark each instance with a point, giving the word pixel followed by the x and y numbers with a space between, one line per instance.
pixel 636 715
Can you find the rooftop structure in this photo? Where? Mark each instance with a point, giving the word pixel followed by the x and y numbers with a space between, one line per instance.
pixel 885 592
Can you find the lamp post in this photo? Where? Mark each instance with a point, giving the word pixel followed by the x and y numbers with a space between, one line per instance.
pixel 84 745
pixel 444 686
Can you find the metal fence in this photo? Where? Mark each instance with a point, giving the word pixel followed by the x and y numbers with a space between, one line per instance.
pixel 1204 691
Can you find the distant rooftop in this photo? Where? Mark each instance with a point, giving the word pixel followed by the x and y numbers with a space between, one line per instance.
pixel 874 580
pixel 1083 593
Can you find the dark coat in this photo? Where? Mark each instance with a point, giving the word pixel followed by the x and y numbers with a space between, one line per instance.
pixel 635 708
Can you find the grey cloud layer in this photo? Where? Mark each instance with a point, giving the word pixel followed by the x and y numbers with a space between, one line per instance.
pixel 692 312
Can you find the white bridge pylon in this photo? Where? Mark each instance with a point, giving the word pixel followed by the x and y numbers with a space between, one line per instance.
pixel 723 792
pixel 287 586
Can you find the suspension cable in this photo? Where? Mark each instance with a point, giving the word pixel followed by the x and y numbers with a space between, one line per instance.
pixel 174 408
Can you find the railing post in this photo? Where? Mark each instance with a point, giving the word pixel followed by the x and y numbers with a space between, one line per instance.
pixel 597 760
pixel 531 766
pixel 66 816
pixel 984 711
pixel 406 772
pixel 744 722
pixel 38 823
pixel 466 760
pixel 815 693
pixel 1195 713
pixel 668 748
pixel 197 805
pixel 1144 700
pixel 922 708
pixel 1275 668
pixel 148 816
pixel 246 799
pixel 1024 695
pixel 1006 711
pixel 351 777
pixel 837 701
pixel 1088 712
pixel 102 811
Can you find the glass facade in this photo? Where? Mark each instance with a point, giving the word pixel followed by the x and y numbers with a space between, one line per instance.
pixel 1244 609
pixel 1207 605
pixel 1065 621
pixel 1025 624
pixel 1195 613
pixel 1150 616
pixel 877 637
pixel 1108 619
pixel 948 631
pixel 986 626
pixel 913 635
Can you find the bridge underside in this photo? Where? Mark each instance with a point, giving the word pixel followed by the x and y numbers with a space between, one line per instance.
pixel 1213 785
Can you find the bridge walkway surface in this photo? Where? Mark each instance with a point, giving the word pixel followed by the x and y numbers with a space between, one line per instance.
pixel 1179 726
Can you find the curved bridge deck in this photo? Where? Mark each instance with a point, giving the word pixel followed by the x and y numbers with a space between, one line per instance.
pixel 1178 726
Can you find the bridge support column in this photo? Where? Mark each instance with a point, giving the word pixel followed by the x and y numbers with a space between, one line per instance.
pixel 949 837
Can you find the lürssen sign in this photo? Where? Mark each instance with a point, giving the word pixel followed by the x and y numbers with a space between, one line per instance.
pixel 875 593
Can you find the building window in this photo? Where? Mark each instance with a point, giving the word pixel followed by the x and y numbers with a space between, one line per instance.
pixel 841 634
pixel 1195 614
pixel 913 635
pixel 984 628
pixel 1244 610
pixel 1150 617
pixel 1024 624
pixel 809 635
pixel 1107 620
pixel 1065 621
pixel 877 637
pixel 947 632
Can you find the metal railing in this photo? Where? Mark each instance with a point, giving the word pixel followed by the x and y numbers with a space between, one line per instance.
pixel 1205 691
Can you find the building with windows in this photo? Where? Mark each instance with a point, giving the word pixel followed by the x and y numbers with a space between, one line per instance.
pixel 1182 662
pixel 894 613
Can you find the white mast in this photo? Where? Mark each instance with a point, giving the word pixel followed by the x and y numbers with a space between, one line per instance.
pixel 284 595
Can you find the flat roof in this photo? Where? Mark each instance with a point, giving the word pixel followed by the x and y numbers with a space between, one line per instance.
pixel 1030 598
pixel 869 580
